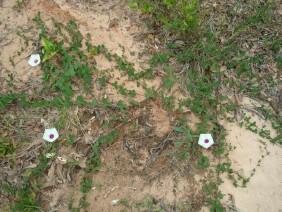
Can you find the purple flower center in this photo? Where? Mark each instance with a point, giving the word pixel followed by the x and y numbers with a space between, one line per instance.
pixel 51 136
pixel 206 141
pixel 35 61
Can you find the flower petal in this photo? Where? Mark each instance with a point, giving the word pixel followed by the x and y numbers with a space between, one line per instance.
pixel 205 140
pixel 34 60
pixel 50 155
pixel 50 135
pixel 114 202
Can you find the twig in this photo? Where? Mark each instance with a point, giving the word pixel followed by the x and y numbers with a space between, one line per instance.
pixel 156 150
pixel 8 198
pixel 184 68
pixel 36 142
pixel 253 111
pixel 111 190
pixel 232 207
pixel 142 137
pixel 128 145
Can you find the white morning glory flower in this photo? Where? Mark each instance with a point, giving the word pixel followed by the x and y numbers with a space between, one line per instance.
pixel 34 60
pixel 205 140
pixel 50 135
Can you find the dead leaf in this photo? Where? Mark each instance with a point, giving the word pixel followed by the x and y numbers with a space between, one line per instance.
pixel 88 138
pixel 231 199
pixel 34 143
pixel 51 173
pixel 44 122
pixel 59 171
pixel 223 68
pixel 82 162
pixel 31 166
pixel 61 160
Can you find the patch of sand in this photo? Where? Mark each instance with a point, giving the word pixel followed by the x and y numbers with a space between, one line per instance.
pixel 264 191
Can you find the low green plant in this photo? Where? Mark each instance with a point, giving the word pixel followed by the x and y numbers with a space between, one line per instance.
pixel 22 198
pixel 7 148
pixel 6 99
pixel 21 34
pixel 185 21
pixel 203 162
pixel 20 4
pixel 49 49
pixel 86 184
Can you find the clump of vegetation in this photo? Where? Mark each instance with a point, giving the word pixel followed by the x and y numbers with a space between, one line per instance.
pixel 217 69
pixel 179 17
pixel 20 4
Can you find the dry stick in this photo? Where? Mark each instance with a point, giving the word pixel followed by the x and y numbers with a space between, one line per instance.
pixel 156 150
pixel 184 68
pixel 11 127
pixel 111 190
pixel 128 145
pixel 34 143
pixel 142 137
pixel 8 198
pixel 253 111
pixel 232 207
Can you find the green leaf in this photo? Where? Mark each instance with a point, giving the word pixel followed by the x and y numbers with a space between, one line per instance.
pixel 121 106
pixel 219 180
pixel 49 56
pixel 106 103
pixel 132 93
pixel 203 162
pixel 178 143
pixel 102 80
pixel 133 101
pixel 150 93
pixel 48 45
pixel 49 49
pixel 168 82
pixel 70 72
pixel 189 136
pixel 123 91
pixel 178 129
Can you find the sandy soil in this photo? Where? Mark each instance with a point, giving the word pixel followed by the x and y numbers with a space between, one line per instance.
pixel 126 171
pixel 264 191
